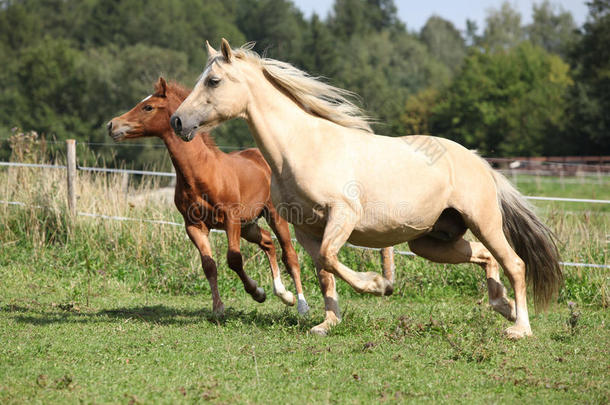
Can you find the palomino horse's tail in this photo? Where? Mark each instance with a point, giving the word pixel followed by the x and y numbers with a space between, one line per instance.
pixel 532 240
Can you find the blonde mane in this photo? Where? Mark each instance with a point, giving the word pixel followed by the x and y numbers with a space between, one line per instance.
pixel 313 95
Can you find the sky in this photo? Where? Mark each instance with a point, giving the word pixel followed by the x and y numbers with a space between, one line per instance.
pixel 415 13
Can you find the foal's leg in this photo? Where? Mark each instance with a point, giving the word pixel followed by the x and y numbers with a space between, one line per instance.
pixel 462 251
pixel 289 255
pixel 339 227
pixel 327 284
pixel 254 234
pixel 199 237
pixel 235 261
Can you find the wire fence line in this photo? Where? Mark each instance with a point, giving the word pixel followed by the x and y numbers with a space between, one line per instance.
pixel 171 174
pixel 165 222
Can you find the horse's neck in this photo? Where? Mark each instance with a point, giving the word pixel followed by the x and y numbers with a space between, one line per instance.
pixel 190 159
pixel 279 126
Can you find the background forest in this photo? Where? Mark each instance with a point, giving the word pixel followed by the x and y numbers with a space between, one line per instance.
pixel 506 89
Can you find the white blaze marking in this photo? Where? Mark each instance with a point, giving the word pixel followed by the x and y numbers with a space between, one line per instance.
pixel 145 98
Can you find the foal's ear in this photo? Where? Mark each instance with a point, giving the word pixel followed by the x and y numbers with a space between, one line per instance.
pixel 160 87
pixel 226 50
pixel 211 51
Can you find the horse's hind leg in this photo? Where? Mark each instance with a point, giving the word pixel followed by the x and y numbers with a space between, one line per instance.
pixel 289 255
pixel 199 237
pixel 254 234
pixel 488 229
pixel 462 251
pixel 235 261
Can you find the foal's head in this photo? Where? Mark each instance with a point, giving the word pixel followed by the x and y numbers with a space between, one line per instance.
pixel 150 117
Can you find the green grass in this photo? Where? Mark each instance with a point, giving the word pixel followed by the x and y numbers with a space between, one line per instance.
pixel 99 311
pixel 148 347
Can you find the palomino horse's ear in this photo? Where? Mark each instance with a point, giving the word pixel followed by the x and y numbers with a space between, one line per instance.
pixel 226 50
pixel 211 51
pixel 160 87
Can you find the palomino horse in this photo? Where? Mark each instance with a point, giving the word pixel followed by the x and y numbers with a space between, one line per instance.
pixel 215 190
pixel 350 185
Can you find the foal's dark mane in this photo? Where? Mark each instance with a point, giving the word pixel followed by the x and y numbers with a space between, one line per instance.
pixel 182 93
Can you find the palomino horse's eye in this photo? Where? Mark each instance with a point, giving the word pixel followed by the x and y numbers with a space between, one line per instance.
pixel 147 108
pixel 213 81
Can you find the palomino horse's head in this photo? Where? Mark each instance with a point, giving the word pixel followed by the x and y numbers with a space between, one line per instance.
pixel 220 94
pixel 150 117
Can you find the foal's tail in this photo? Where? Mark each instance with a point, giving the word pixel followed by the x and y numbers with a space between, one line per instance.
pixel 532 240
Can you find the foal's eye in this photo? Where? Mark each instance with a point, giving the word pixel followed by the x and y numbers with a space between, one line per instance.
pixel 213 81
pixel 147 108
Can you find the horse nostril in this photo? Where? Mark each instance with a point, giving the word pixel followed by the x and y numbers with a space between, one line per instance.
pixel 176 124
pixel 109 126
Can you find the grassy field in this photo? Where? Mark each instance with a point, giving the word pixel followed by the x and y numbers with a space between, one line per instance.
pixel 100 311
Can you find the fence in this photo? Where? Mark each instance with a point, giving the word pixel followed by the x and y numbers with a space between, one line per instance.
pixel 387 254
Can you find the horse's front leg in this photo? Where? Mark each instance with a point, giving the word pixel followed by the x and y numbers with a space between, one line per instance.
pixel 199 237
pixel 341 223
pixel 327 284
pixel 235 261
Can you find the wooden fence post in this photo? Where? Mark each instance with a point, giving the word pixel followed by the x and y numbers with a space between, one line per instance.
pixel 387 260
pixel 71 170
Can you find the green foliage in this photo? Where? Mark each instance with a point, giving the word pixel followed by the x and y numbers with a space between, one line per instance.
pixel 69 66
pixel 503 29
pixel 505 103
pixel 444 42
pixel 552 28
pixel 589 130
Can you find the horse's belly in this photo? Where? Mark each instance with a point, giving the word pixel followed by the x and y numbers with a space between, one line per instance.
pixel 377 239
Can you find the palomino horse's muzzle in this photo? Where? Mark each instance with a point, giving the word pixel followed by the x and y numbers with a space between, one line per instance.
pixel 184 134
pixel 176 124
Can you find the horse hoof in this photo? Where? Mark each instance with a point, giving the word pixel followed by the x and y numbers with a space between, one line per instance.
pixel 319 330
pixel 302 307
pixel 288 298
pixel 506 308
pixel 517 332
pixel 219 311
pixel 259 295
pixel 389 288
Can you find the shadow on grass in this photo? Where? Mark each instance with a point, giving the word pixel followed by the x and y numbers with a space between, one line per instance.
pixel 157 314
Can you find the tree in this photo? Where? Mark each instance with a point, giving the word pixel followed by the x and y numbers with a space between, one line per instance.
pixel 503 28
pixel 275 25
pixel 589 130
pixel 319 54
pixel 418 111
pixel 444 42
pixel 362 17
pixel 384 69
pixel 506 103
pixel 552 28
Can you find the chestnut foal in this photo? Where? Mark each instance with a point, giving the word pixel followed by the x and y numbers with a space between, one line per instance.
pixel 216 190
